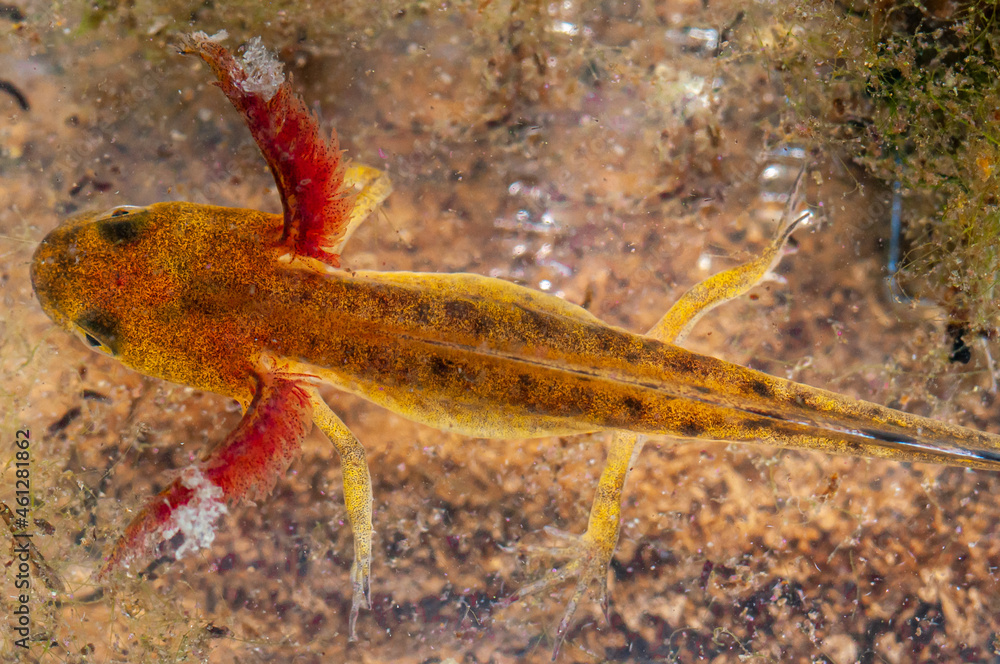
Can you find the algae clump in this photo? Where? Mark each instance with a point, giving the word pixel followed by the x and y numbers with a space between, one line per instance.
pixel 911 90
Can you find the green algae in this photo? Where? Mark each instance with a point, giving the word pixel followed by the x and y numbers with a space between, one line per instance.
pixel 911 92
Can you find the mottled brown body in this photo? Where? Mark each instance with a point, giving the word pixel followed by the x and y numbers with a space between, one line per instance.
pixel 199 295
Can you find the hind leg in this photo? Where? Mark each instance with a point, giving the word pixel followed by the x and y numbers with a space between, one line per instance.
pixel 358 500
pixel 589 555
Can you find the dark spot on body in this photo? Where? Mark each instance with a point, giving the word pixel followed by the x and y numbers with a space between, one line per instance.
pixel 482 326
pixel 604 341
pixel 382 300
pixel 459 309
pixel 615 341
pixel 525 393
pixel 526 383
pixel 441 367
pixel 580 400
pixel 307 296
pixel 678 360
pixel 380 359
pixel 349 353
pixel 532 320
pixel 536 324
pixel 635 407
pixel 651 346
pixel 422 312
pixel 761 388
pixel 465 312
pixel 690 428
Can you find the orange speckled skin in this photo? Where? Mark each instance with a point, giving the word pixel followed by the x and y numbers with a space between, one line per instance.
pixel 198 295
pixel 165 288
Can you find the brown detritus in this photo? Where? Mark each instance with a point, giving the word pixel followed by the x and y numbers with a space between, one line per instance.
pixel 831 488
pixel 20 539
pixel 11 13
pixel 94 395
pixel 64 421
pixel 13 91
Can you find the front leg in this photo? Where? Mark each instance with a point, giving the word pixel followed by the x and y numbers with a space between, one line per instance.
pixel 371 187
pixel 244 467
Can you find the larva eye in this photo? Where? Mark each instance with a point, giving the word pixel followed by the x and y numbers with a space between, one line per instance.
pixel 122 211
pixel 94 342
pixel 99 332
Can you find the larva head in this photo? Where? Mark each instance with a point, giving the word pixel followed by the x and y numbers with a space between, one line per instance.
pixel 135 282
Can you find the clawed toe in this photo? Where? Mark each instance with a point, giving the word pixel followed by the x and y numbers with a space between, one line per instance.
pixel 587 561
pixel 362 594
